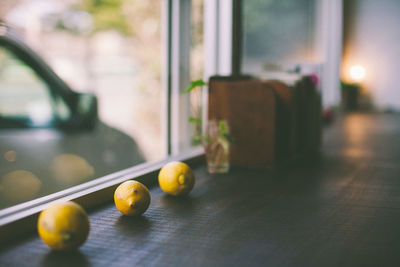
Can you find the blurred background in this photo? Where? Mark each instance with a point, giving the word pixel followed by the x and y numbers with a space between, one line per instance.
pixel 114 50
pixel 109 48
pixel 280 36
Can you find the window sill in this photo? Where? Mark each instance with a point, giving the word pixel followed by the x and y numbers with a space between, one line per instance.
pixel 21 219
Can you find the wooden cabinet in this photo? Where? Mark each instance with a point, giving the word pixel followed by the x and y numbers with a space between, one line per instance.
pixel 271 123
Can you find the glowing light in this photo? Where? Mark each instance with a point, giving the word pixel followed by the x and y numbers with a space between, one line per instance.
pixel 357 73
pixel 10 156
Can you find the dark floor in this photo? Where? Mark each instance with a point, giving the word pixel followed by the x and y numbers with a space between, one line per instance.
pixel 341 210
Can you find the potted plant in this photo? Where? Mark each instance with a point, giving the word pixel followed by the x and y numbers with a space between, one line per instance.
pixel 216 139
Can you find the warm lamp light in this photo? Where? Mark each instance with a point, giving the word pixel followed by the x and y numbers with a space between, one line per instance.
pixel 357 73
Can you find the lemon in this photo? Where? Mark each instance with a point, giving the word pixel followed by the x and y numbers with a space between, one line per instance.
pixel 20 185
pixel 132 198
pixel 176 178
pixel 63 226
pixel 71 169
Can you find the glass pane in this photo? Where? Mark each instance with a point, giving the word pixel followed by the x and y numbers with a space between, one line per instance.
pixel 109 55
pixel 197 44
pixel 196 63
pixel 277 32
pixel 24 98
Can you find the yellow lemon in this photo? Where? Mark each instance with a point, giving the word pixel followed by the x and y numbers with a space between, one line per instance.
pixel 132 198
pixel 18 186
pixel 176 178
pixel 63 226
pixel 71 169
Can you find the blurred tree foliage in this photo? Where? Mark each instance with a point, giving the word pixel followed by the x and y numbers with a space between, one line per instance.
pixel 108 14
pixel 197 43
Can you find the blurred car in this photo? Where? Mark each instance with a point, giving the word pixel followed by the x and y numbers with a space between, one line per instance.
pixel 50 135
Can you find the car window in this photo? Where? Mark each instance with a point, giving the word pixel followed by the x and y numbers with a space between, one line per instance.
pixel 24 97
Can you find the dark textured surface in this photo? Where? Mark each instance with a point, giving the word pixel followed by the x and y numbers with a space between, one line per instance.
pixel 340 210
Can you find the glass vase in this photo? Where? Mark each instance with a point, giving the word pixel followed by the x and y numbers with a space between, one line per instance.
pixel 218 146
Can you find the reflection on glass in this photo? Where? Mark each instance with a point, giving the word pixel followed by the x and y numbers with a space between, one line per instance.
pixel 10 155
pixel 23 96
pixel 18 186
pixel 102 117
pixel 71 169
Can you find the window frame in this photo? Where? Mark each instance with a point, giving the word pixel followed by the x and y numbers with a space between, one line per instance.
pixel 176 17
pixel 219 53
pixel 329 47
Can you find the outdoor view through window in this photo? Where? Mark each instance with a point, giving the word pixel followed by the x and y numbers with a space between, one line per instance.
pixel 266 49
pixel 108 118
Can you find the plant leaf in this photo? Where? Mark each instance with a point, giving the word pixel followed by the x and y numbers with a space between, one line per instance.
pixel 229 138
pixel 194 84
pixel 196 140
pixel 206 139
pixel 194 120
pixel 223 128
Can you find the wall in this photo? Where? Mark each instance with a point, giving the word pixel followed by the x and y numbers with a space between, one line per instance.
pixel 372 39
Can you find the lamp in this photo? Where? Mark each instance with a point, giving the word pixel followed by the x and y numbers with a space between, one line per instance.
pixel 357 73
pixel 351 90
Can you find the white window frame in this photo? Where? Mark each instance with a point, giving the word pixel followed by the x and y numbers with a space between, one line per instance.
pixel 329 47
pixel 180 75
pixel 218 21
pixel 176 16
pixel 218 38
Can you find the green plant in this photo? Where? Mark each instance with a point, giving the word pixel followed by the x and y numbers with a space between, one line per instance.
pixel 199 137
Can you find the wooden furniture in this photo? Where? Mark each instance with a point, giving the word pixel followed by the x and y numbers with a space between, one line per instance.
pixel 285 121
pixel 250 108
pixel 272 123
pixel 308 117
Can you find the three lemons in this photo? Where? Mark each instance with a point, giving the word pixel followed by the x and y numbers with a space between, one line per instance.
pixel 63 226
